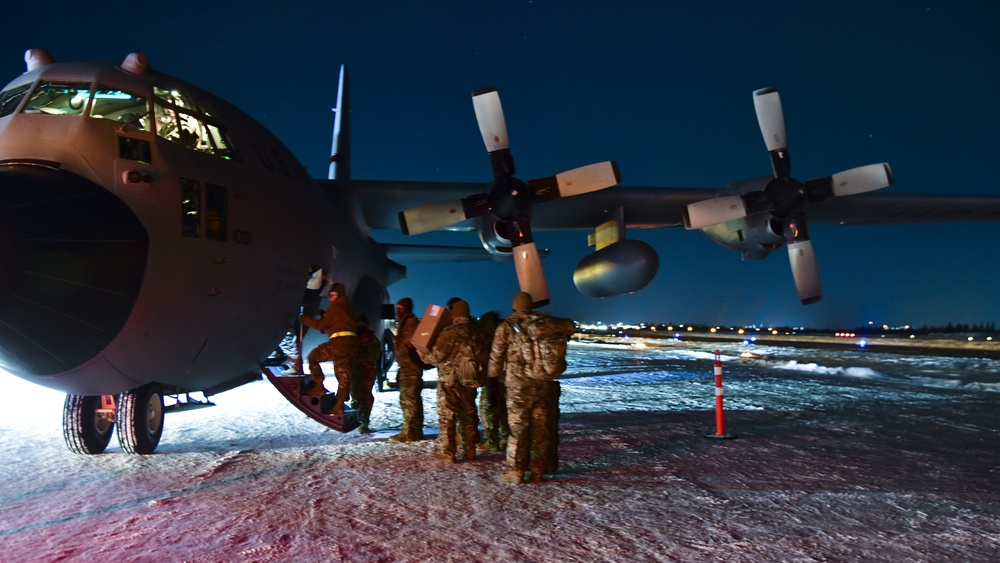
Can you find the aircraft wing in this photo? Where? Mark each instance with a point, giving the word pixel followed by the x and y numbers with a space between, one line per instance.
pixel 419 253
pixel 378 203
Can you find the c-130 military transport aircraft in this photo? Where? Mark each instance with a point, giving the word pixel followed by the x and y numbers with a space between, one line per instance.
pixel 140 257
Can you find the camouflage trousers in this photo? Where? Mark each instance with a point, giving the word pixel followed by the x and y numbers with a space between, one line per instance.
pixel 456 408
pixel 362 381
pixel 529 415
pixel 342 355
pixel 493 412
pixel 411 383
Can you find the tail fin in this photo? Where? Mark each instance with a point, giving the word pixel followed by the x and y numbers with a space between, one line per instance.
pixel 340 152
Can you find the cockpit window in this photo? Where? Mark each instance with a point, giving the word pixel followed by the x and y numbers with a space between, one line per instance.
pixel 59 98
pixel 176 98
pixel 179 119
pixel 9 99
pixel 122 107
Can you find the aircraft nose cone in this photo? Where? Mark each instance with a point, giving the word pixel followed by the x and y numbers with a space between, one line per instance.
pixel 72 257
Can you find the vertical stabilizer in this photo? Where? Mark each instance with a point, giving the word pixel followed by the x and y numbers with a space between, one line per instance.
pixel 340 152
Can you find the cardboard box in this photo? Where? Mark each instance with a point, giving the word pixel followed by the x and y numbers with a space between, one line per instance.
pixel 435 318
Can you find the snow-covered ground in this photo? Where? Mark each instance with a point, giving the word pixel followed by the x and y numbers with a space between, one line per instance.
pixel 839 456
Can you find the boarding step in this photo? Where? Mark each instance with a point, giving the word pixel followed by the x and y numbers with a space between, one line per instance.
pixel 316 407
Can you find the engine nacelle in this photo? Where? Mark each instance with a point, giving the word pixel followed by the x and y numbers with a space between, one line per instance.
pixel 489 227
pixel 623 267
pixel 754 236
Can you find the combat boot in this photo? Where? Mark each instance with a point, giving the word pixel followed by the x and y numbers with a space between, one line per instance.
pixel 401 437
pixel 470 454
pixel 512 477
pixel 316 391
pixel 487 448
pixel 445 457
pixel 537 469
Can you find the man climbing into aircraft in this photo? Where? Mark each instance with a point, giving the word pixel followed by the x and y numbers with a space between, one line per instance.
pixel 340 324
pixel 410 376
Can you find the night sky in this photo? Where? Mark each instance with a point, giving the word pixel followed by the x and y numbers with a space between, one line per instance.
pixel 662 87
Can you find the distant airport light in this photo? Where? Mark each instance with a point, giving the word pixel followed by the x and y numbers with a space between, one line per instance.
pixel 970 339
pixel 862 344
pixel 712 330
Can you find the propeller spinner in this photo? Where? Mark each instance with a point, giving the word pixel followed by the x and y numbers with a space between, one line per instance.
pixel 509 198
pixel 784 197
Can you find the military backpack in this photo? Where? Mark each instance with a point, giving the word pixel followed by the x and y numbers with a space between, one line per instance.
pixel 470 363
pixel 548 337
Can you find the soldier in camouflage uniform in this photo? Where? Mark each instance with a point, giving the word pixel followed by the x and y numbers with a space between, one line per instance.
pixel 339 324
pixel 527 397
pixel 363 374
pixel 493 397
pixel 410 376
pixel 455 400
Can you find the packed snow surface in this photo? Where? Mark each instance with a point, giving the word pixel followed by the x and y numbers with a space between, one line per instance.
pixel 837 456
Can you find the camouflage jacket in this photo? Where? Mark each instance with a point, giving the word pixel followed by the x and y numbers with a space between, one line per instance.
pixel 507 360
pixel 339 317
pixel 448 344
pixel 369 348
pixel 407 326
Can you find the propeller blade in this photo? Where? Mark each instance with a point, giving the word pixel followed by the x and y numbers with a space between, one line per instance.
pixel 804 270
pixel 489 114
pixel 715 211
pixel 434 216
pixel 530 276
pixel 862 179
pixel 582 180
pixel 771 118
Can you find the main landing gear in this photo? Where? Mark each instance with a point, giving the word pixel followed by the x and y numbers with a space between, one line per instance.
pixel 88 420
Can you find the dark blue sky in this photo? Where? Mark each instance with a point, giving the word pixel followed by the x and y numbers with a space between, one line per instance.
pixel 662 87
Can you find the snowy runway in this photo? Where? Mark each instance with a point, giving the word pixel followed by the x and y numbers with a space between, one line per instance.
pixel 838 458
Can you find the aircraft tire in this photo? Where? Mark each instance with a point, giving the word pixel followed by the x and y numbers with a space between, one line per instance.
pixel 140 419
pixel 85 430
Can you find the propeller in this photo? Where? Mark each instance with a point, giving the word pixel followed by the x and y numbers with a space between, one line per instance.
pixel 784 197
pixel 508 198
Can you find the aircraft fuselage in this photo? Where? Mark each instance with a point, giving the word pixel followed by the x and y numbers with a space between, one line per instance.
pixel 152 232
